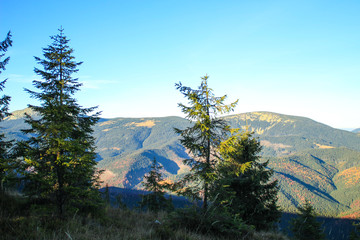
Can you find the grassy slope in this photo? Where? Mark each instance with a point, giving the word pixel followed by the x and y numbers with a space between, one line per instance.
pixel 113 224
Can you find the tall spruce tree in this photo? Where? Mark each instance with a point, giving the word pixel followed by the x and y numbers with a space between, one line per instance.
pixel 59 155
pixel 5 163
pixel 154 182
pixel 243 186
pixel 203 138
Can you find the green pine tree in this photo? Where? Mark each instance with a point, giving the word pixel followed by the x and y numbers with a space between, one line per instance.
pixel 60 153
pixel 120 203
pixel 107 195
pixel 243 186
pixel 154 182
pixel 5 159
pixel 202 138
pixel 305 226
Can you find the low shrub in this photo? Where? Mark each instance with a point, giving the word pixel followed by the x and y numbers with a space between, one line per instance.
pixel 212 222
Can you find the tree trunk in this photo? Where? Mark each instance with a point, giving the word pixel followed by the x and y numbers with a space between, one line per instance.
pixel 60 191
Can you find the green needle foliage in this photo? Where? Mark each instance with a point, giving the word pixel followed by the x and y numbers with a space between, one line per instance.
pixel 107 195
pixel 203 138
pixel 59 155
pixel 354 235
pixel 5 162
pixel 154 182
pixel 243 187
pixel 305 225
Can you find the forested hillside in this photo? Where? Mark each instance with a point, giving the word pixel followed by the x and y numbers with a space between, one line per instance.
pixel 311 160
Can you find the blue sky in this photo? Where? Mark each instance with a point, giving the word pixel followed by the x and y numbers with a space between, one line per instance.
pixel 292 57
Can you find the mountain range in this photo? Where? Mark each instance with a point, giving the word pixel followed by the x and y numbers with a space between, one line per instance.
pixel 310 160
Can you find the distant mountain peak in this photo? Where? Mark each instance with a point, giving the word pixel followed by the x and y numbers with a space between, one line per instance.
pixel 147 123
pixel 18 114
pixel 270 117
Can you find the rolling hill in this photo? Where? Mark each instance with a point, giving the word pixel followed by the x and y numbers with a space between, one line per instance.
pixel 311 160
pixel 356 131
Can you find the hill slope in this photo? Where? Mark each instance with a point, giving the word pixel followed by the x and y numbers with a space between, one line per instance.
pixel 311 160
pixel 356 131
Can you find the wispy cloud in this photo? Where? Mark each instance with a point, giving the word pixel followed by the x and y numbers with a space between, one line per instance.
pixel 95 84
pixel 20 78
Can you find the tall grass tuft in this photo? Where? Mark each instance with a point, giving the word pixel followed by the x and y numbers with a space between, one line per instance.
pixel 114 224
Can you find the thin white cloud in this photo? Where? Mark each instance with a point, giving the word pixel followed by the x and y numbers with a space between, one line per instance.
pixel 20 78
pixel 95 84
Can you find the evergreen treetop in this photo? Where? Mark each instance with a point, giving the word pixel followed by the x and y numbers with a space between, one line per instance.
pixel 243 186
pixel 4 100
pixel 305 226
pixel 4 45
pixel 203 138
pixel 154 182
pixel 61 149
pixel 154 178
pixel 5 163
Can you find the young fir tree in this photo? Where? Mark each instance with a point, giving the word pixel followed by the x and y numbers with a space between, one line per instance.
pixel 354 235
pixel 305 225
pixel 154 182
pixel 107 195
pixel 243 186
pixel 5 163
pixel 202 138
pixel 59 155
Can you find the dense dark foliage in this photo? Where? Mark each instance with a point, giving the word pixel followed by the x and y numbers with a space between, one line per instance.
pixel 243 185
pixel 214 222
pixel 60 166
pixel 305 226
pixel 155 184
pixel 6 164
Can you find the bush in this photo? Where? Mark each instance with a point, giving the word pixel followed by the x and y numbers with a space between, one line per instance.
pixel 211 222
pixel 305 226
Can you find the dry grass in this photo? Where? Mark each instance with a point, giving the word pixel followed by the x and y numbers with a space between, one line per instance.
pixel 116 224
pixel 148 123
pixel 269 236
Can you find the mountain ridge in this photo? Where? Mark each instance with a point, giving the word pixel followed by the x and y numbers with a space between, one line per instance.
pixel 357 130
pixel 311 160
